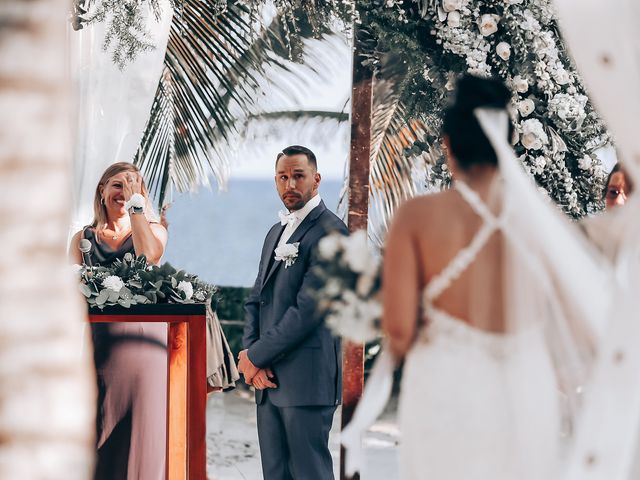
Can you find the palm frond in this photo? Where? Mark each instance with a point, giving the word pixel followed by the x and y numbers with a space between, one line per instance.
pixel 213 75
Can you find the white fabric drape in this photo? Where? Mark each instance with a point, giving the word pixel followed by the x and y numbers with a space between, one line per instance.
pixel 112 105
pixel 604 39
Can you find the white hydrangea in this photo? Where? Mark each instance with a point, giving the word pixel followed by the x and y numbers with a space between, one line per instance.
pixel 186 288
pixel 533 135
pixel 113 283
pixel 569 110
pixel 561 76
pixel 585 163
pixel 539 164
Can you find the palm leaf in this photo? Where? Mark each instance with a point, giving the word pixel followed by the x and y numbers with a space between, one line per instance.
pixel 214 72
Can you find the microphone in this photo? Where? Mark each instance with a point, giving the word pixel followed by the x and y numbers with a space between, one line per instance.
pixel 85 248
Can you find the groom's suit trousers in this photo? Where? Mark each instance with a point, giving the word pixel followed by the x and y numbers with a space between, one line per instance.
pixel 294 441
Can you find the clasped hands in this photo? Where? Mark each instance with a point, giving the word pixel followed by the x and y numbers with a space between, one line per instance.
pixel 258 377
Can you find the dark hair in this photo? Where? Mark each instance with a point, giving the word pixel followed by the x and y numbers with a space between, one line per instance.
pixel 468 143
pixel 299 150
pixel 617 168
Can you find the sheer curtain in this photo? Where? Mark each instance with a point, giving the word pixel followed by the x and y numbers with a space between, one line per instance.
pixel 111 105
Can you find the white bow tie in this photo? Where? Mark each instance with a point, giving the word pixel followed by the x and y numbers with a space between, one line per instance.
pixel 287 218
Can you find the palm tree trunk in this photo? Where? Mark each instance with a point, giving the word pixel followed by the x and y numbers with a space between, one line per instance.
pixel 46 385
pixel 359 168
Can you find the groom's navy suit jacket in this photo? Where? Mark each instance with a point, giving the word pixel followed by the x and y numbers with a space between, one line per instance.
pixel 282 329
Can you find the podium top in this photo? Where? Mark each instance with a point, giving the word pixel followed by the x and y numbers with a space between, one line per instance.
pixel 152 309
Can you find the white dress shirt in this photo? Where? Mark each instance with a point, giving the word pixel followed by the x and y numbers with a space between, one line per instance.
pixel 300 215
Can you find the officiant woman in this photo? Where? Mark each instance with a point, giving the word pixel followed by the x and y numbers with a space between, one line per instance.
pixel 130 358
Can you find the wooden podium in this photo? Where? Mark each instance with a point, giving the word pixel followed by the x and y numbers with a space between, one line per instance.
pixel 186 380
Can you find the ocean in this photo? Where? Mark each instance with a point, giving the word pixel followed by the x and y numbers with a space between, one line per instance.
pixel 218 235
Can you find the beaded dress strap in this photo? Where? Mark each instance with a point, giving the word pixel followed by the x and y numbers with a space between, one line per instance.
pixel 465 256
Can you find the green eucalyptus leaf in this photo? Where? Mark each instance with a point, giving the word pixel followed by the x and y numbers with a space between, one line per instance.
pixel 102 297
pixel 85 289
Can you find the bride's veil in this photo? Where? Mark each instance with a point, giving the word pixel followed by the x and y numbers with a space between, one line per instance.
pixel 553 278
pixel 605 43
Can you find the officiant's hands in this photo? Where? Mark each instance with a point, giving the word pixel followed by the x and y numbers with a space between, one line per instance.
pixel 258 377
pixel 132 184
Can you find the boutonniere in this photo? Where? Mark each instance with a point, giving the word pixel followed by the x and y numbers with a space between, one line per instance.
pixel 287 253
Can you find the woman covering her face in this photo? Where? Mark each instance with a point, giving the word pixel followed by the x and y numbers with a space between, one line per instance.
pixel 130 358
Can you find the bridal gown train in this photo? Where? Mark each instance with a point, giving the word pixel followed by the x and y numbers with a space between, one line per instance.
pixel 477 405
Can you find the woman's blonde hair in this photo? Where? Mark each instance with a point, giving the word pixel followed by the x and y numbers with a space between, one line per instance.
pixel 100 218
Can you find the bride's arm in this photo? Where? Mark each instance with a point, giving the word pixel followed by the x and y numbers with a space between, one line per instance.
pixel 401 283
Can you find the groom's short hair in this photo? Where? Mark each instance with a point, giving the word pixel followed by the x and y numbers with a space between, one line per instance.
pixel 299 150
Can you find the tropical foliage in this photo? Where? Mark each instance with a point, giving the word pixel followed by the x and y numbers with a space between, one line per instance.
pixel 518 40
pixel 220 52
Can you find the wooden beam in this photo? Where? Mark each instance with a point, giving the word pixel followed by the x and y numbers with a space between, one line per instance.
pixel 359 168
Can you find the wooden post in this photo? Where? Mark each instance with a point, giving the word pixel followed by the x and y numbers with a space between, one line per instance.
pixel 186 380
pixel 359 167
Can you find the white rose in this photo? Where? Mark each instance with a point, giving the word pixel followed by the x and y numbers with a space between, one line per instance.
pixel 113 283
pixel 585 162
pixel 186 288
pixel 488 24
pixel 521 84
pixel 526 107
pixel 533 135
pixel 453 19
pixel 329 246
pixel 561 77
pixel 515 2
pixel 451 5
pixel 503 49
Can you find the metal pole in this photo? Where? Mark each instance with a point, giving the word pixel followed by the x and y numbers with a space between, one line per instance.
pixel 359 166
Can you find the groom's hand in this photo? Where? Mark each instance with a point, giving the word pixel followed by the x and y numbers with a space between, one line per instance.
pixel 262 380
pixel 246 367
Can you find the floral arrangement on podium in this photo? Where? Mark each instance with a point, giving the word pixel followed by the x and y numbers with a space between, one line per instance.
pixel 132 281
pixel 349 297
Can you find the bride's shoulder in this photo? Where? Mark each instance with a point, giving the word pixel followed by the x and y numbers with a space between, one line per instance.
pixel 427 203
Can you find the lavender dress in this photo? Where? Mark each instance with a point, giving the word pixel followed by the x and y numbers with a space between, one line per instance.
pixel 131 366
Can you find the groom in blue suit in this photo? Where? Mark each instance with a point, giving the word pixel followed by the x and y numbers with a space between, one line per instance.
pixel 290 357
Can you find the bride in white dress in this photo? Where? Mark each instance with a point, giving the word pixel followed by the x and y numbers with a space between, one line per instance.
pixel 501 343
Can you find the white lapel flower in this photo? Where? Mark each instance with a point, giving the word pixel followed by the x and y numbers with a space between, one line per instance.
pixel 287 253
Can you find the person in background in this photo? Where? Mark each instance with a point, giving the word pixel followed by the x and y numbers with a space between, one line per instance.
pixel 618 187
pixel 130 358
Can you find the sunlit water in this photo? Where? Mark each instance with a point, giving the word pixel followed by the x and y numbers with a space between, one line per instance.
pixel 219 235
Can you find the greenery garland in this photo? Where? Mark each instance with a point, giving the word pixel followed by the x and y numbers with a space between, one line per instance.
pixel 558 130
pixel 131 281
